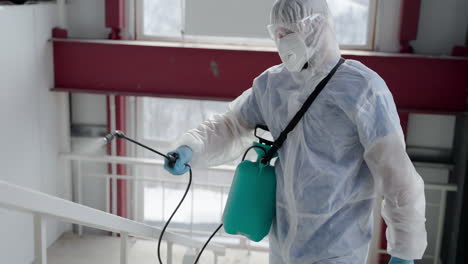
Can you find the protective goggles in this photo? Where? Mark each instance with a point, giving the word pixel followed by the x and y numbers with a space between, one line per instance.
pixel 306 25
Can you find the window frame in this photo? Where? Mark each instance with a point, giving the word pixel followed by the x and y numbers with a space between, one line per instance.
pixel 139 200
pixel 140 35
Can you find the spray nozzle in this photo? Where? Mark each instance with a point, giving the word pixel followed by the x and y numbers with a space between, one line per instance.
pixel 111 136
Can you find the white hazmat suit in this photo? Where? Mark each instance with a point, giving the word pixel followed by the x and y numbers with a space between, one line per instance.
pixel 348 146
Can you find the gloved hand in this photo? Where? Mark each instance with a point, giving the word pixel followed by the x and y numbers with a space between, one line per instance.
pixel 395 260
pixel 184 154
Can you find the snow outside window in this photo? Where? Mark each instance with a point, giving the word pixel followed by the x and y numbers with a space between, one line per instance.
pixel 218 21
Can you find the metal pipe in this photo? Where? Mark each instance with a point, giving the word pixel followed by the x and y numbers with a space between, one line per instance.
pixel 113 151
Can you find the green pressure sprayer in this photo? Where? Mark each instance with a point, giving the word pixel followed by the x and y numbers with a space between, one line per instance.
pixel 250 208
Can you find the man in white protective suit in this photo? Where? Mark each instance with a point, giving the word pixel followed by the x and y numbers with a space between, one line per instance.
pixel 348 147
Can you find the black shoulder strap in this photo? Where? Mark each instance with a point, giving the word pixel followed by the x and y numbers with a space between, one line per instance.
pixel 292 124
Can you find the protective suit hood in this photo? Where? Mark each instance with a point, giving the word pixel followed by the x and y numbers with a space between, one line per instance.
pixel 312 20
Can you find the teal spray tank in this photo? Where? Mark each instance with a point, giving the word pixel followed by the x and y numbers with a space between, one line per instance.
pixel 251 204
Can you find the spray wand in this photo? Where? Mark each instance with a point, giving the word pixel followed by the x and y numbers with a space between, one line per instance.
pixel 119 134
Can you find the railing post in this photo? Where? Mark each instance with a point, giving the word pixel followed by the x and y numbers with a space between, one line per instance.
pixel 169 252
pixel 192 205
pixel 79 192
pixel 163 207
pixel 124 248
pixel 40 243
pixel 107 194
pixel 114 189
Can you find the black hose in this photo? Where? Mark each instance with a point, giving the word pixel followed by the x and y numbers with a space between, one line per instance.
pixel 252 147
pixel 121 135
pixel 208 241
pixel 173 213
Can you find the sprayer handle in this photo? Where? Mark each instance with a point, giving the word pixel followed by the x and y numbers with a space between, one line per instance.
pixel 172 159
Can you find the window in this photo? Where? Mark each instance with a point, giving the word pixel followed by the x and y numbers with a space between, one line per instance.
pixel 354 22
pixel 162 17
pixel 160 121
pixel 243 21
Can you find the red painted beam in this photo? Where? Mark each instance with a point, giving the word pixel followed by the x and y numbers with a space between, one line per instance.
pixel 59 33
pixel 460 51
pixel 409 22
pixel 418 83
pixel 158 71
pixel 423 83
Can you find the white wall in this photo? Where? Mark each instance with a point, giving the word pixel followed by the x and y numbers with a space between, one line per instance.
pixel 86 19
pixel 89 109
pixel 442 25
pixel 29 122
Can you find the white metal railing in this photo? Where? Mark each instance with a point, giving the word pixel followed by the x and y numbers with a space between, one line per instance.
pixel 42 205
pixel 243 243
pixel 79 159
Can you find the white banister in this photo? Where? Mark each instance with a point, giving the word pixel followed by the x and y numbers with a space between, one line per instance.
pixel 153 162
pixel 41 204
pixel 126 160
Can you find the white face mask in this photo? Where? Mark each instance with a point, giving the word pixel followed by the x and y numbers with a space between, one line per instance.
pixel 293 52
